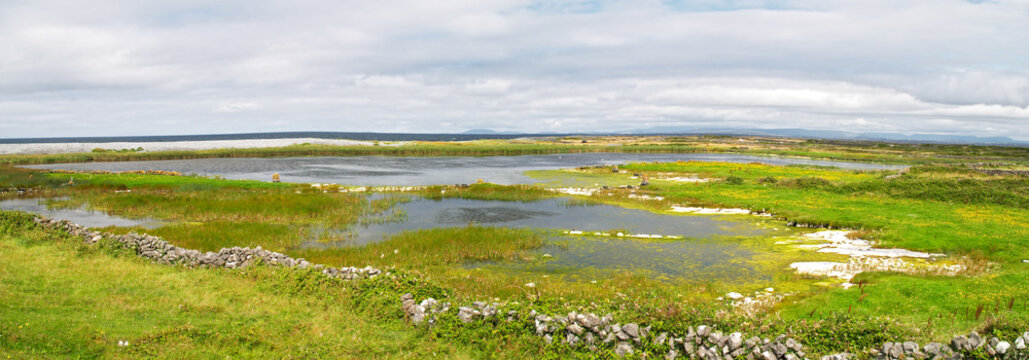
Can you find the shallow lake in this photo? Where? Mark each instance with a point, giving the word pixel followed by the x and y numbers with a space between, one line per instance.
pixel 79 216
pixel 582 259
pixel 554 214
pixel 408 171
pixel 713 246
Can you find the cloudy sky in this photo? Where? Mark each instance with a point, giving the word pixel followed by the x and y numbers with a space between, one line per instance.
pixel 105 68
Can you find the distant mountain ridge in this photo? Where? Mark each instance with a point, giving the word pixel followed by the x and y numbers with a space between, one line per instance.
pixel 839 135
pixel 475 134
pixel 364 136
pixel 793 133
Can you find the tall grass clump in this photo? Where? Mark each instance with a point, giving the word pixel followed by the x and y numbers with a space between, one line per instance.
pixel 439 246
pixel 487 192
pixel 1012 192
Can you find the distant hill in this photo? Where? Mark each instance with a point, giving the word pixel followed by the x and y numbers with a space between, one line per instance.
pixel 838 135
pixel 493 134
pixel 489 132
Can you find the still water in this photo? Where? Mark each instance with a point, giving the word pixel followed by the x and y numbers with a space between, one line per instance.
pixel 79 216
pixel 711 247
pixel 409 171
pixel 556 214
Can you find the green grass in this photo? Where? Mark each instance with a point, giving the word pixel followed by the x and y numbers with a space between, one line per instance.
pixel 170 182
pixel 486 192
pixel 579 178
pixel 937 209
pixel 940 306
pixel 62 300
pixel 215 235
pixel 927 210
pixel 753 171
pixel 284 207
pixel 948 209
pixel 277 219
pixel 1008 192
pixel 417 149
pixel 853 151
pixel 432 247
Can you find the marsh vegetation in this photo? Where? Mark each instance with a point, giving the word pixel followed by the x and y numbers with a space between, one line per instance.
pixel 978 221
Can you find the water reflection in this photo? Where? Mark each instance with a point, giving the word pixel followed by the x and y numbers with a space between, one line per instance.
pixel 556 214
pixel 407 171
pixel 592 258
pixel 81 216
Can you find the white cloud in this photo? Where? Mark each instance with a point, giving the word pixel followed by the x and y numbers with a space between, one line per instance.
pixel 385 81
pixel 107 67
pixel 488 86
pixel 237 106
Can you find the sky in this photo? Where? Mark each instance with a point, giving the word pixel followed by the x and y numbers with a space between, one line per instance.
pixel 157 67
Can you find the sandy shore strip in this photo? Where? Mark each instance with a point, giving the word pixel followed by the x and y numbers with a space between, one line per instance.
pixel 59 148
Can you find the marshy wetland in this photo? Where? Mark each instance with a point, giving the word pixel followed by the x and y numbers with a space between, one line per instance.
pixel 422 170
pixel 803 238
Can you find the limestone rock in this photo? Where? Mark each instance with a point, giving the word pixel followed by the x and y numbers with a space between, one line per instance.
pixel 623 349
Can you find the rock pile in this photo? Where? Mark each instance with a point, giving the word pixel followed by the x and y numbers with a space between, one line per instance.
pixel 417 312
pixel 757 303
pixel 993 348
pixel 160 251
pixel 594 332
pixel 1003 172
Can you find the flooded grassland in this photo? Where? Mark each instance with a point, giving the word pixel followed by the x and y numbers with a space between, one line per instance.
pixel 708 241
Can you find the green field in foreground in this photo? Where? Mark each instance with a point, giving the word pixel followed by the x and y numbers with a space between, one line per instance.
pixel 59 299
pixel 978 221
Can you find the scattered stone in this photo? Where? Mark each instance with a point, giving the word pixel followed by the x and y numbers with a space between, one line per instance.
pixel 623 349
pixel 575 329
pixel 465 313
pixel 571 339
pixel 580 328
pixel 632 330
pixel 960 343
pixel 933 349
pixel 660 338
pixel 974 340
pixel 910 347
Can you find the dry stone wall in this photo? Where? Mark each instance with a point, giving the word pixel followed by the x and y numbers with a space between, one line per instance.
pixel 588 331
pixel 593 332
pixel 160 251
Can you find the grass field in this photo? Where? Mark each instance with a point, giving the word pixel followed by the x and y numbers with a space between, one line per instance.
pixel 933 209
pixel 847 151
pixel 976 220
pixel 63 300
